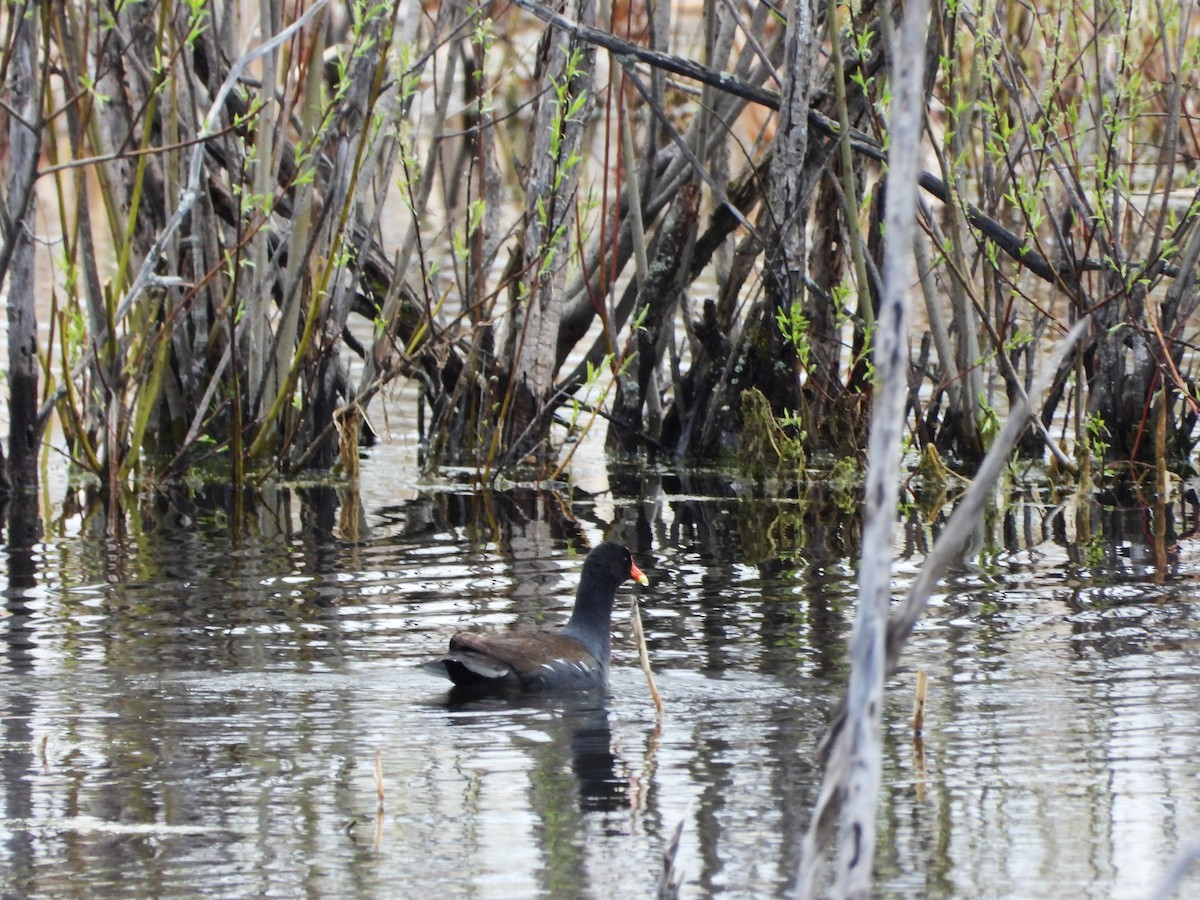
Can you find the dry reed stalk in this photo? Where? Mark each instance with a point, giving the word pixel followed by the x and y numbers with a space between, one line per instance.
pixel 379 776
pixel 639 636
pixel 918 723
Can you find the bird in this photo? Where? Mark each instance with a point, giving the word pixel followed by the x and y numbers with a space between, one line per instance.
pixel 575 656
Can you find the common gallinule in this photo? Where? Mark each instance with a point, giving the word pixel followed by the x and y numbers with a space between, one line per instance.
pixel 576 656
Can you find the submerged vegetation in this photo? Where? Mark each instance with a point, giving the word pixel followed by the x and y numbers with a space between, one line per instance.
pixel 256 225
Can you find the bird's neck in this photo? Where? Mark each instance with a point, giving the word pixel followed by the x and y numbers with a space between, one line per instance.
pixel 591 628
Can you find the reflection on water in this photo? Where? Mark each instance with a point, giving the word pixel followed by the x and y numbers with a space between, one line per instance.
pixel 196 708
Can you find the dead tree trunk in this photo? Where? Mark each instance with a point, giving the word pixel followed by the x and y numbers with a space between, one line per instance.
pixel 1122 377
pixel 856 764
pixel 656 305
pixel 767 359
pixel 24 144
pixel 789 197
pixel 530 340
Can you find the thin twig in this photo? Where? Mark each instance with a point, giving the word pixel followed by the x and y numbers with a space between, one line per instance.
pixel 1012 245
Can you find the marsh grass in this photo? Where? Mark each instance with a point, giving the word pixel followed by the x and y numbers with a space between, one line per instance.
pixel 515 217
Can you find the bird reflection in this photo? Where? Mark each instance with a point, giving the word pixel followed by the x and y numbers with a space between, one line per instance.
pixel 576 725
pixel 601 788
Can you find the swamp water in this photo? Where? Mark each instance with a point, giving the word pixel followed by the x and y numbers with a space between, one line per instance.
pixel 193 712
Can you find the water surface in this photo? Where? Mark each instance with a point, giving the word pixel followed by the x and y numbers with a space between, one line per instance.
pixel 197 708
